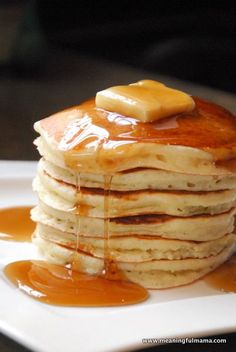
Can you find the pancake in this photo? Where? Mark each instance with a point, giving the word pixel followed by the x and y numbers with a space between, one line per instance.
pixel 63 197
pixel 151 274
pixel 93 140
pixel 139 179
pixel 195 228
pixel 159 196
pixel 136 248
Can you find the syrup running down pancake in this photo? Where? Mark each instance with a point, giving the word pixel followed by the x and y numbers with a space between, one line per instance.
pixel 157 198
pixel 89 139
pixel 136 189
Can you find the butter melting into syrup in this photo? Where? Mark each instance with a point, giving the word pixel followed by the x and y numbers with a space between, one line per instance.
pixel 207 126
pixel 62 285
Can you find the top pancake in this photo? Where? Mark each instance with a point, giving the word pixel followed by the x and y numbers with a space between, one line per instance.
pixel 90 139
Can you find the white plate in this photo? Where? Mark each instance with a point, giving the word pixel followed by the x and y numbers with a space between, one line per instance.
pixel 194 310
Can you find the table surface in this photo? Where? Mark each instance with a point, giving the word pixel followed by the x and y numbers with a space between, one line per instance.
pixel 66 79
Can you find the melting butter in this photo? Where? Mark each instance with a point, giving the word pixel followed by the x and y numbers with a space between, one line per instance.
pixel 145 100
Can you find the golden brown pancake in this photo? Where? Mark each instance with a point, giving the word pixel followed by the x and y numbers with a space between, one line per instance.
pixel 141 178
pixel 152 274
pixel 163 192
pixel 194 228
pixel 90 139
pixel 136 248
pixel 178 203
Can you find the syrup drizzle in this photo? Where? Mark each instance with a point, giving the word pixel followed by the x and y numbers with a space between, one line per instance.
pixel 95 131
pixel 78 208
pixel 107 256
pixel 58 285
pixel 15 224
pixel 87 131
pixel 85 126
pixel 65 285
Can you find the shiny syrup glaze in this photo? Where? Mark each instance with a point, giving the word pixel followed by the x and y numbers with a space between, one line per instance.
pixel 224 277
pixel 57 285
pixel 86 126
pixel 15 224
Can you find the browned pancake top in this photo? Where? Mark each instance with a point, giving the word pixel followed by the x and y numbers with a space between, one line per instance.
pixel 83 126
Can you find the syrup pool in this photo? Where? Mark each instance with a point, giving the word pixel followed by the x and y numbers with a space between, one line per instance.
pixel 15 224
pixel 58 285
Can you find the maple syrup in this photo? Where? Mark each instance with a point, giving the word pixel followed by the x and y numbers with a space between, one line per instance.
pixel 224 277
pixel 82 132
pixel 15 224
pixel 107 260
pixel 110 288
pixel 207 126
pixel 58 285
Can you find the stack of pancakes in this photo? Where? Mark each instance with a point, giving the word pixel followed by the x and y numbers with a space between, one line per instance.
pixel 169 204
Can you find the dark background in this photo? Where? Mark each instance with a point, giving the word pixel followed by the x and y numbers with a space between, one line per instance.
pixel 191 40
pixel 54 54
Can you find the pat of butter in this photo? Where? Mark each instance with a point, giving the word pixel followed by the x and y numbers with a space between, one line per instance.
pixel 145 100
